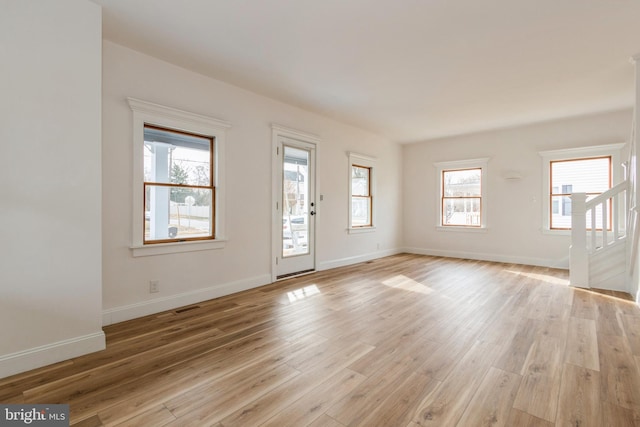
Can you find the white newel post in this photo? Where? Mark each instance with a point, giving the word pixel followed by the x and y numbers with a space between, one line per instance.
pixel 579 260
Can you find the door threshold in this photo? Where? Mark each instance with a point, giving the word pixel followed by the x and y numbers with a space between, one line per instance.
pixel 295 274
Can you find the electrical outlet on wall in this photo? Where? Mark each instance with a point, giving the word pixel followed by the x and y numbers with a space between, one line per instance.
pixel 154 286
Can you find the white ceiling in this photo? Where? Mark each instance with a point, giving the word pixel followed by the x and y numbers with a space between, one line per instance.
pixel 408 69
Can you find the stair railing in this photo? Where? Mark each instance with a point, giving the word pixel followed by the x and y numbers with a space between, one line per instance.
pixel 597 225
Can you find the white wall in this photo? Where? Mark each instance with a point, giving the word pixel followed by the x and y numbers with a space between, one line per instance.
pixel 246 260
pixel 50 202
pixel 514 210
pixel 635 177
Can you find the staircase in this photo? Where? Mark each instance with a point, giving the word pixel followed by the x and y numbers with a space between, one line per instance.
pixel 599 240
pixel 605 231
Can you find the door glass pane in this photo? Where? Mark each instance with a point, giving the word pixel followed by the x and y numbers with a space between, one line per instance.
pixel 295 202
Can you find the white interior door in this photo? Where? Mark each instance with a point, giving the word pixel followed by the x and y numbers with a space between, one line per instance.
pixel 295 204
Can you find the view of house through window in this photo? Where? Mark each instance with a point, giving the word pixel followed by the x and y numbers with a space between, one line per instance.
pixel 361 199
pixel 591 176
pixel 178 186
pixel 462 197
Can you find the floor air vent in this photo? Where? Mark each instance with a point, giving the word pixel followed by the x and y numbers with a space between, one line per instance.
pixel 297 273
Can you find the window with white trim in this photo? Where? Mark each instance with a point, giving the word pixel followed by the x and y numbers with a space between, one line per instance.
pixel 178 180
pixel 462 197
pixel 591 170
pixel 462 191
pixel 361 193
pixel 178 186
pixel 591 176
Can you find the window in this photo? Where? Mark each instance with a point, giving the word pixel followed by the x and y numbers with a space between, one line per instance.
pixel 178 186
pixel 462 197
pixel 591 170
pixel 178 180
pixel 361 192
pixel 461 203
pixel 591 176
pixel 361 199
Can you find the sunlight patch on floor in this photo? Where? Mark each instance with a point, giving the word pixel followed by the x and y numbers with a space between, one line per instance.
pixel 542 277
pixel 302 293
pixel 405 283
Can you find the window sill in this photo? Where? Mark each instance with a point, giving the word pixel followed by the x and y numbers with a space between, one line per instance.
pixel 551 232
pixel 358 230
pixel 177 247
pixel 460 229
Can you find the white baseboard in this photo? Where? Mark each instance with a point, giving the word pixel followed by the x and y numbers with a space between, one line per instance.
pixel 157 305
pixel 551 263
pixel 327 265
pixel 38 357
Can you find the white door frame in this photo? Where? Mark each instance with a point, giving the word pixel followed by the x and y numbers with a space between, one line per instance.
pixel 279 132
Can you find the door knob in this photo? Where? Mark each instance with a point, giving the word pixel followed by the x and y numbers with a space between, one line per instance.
pixel 312 213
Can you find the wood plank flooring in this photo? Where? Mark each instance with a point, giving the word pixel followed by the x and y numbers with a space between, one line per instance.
pixel 405 341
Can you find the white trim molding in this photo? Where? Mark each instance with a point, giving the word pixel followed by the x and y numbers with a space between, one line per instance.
pixel 480 163
pixel 343 262
pixel 461 229
pixel 480 256
pixel 186 118
pixel 177 247
pixel 312 143
pixel 613 150
pixel 589 151
pixel 48 354
pixel 279 130
pixel 157 305
pixel 148 113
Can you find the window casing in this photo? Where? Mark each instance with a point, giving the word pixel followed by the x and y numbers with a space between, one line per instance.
pixel 555 203
pixel 462 195
pixel 592 176
pixel 461 200
pixel 362 199
pixel 191 132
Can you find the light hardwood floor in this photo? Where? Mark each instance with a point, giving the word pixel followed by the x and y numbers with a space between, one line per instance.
pixel 406 340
